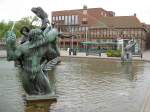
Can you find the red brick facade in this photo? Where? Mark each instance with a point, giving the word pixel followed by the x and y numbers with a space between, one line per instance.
pixel 99 25
pixel 77 22
pixel 118 27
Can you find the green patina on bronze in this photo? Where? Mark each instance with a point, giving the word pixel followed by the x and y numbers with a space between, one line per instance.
pixel 37 48
pixel 127 51
pixel 35 80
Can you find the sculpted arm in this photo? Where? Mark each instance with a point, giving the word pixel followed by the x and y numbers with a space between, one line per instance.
pixel 12 51
pixel 38 37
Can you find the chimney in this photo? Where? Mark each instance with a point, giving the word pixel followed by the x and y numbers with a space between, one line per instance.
pixel 85 11
pixel 135 14
pixel 85 7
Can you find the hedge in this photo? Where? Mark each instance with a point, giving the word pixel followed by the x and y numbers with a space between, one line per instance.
pixel 113 53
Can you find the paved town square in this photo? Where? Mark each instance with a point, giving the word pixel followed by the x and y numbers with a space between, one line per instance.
pixel 74 56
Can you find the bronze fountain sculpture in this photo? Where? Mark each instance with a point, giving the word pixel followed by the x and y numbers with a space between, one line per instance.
pixel 34 53
pixel 127 51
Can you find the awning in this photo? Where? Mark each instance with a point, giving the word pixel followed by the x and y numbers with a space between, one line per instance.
pixel 88 43
pixel 98 43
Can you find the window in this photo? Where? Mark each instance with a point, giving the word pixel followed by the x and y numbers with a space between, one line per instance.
pixel 69 20
pixel 82 36
pixel 76 29
pixel 56 18
pixel 83 28
pixel 73 29
pixel 132 32
pixel 104 40
pixel 107 32
pixel 69 29
pixel 91 34
pixel 124 32
pixel 59 17
pixel 111 32
pixel 86 28
pixel 94 33
pixel 63 18
pixel 98 33
pixel 66 20
pixel 79 28
pixel 101 32
pixel 53 18
pixel 73 19
pixel 76 19
pixel 104 32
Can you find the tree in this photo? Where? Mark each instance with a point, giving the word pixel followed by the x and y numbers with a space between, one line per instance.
pixel 25 21
pixel 4 27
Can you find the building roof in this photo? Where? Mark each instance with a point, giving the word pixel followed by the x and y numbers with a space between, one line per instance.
pixel 93 14
pixel 118 22
pixel 76 10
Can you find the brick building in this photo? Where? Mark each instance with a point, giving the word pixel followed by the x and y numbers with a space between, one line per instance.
pixel 110 31
pixel 77 22
pixel 147 28
pixel 100 26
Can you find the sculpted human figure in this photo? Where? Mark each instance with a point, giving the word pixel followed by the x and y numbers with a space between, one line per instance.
pixel 35 80
pixel 127 52
pixel 24 31
pixel 39 12
pixel 38 47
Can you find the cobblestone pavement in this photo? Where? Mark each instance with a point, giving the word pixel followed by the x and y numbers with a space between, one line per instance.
pixel 146 55
pixel 103 55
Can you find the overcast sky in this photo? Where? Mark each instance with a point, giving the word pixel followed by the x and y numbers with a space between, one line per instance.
pixel 16 9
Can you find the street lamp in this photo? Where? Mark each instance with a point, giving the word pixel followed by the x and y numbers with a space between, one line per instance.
pixel 86 36
pixel 85 22
pixel 72 43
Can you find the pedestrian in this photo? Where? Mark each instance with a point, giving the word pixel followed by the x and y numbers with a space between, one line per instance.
pixel 69 51
pixel 99 50
pixel 141 55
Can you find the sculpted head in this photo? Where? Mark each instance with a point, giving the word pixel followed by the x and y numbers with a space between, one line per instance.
pixel 38 11
pixel 35 34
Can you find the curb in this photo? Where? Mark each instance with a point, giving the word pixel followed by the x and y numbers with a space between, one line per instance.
pixel 103 58
pixel 144 60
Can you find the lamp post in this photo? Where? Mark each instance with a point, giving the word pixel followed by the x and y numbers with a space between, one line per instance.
pixel 86 36
pixel 85 22
pixel 72 42
pixel 71 30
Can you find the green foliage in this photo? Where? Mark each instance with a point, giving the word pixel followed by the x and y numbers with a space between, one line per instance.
pixel 113 53
pixel 25 21
pixel 4 27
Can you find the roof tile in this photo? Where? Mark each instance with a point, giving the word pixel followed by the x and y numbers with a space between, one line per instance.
pixel 119 22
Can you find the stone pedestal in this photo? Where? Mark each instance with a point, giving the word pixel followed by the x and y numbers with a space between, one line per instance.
pixel 40 97
pixel 39 103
